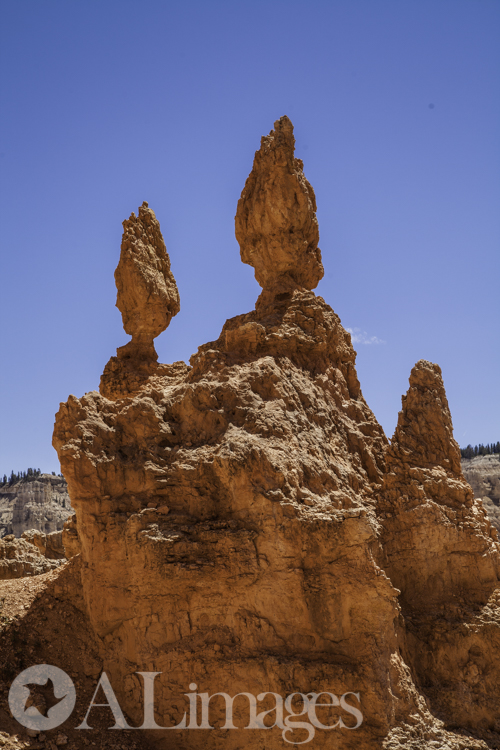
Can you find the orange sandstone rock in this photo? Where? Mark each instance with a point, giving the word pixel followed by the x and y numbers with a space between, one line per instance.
pixel 147 299
pixel 298 546
pixel 438 541
pixel 276 223
pixel 439 550
pixel 147 293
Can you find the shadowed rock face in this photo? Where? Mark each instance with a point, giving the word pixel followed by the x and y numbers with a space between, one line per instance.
pixel 245 524
pixel 276 223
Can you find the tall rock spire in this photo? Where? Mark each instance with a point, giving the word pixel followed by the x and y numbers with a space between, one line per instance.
pixel 276 223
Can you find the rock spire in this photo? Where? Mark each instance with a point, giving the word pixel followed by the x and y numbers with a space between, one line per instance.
pixel 147 298
pixel 424 433
pixel 276 223
pixel 147 293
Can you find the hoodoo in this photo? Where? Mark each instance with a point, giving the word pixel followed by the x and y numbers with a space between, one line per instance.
pixel 147 293
pixel 147 298
pixel 246 527
pixel 276 223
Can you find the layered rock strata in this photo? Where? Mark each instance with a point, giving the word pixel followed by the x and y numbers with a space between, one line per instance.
pixel 42 504
pixel 31 555
pixel 246 526
pixel 483 475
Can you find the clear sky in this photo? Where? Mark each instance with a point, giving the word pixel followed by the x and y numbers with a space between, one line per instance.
pixel 106 103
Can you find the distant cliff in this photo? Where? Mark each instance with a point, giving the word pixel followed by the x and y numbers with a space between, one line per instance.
pixel 42 504
pixel 483 475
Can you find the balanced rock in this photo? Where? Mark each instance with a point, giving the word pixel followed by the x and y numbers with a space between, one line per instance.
pixel 276 223
pixel 147 293
pixel 147 298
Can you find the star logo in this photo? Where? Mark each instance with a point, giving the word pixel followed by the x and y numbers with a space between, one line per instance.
pixel 42 697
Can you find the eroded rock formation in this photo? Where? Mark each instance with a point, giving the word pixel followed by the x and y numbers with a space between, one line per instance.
pixel 440 550
pixel 430 509
pixel 276 223
pixel 246 526
pixel 31 555
pixel 483 475
pixel 42 504
pixel 147 298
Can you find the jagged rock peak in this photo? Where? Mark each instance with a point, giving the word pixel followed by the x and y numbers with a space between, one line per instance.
pixel 424 433
pixel 147 297
pixel 276 224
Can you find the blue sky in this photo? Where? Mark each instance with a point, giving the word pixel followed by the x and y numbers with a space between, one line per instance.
pixel 108 103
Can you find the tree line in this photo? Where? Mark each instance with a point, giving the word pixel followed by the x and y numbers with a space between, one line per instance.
pixel 480 450
pixel 27 476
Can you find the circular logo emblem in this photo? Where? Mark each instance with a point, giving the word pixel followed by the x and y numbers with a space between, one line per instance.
pixel 42 697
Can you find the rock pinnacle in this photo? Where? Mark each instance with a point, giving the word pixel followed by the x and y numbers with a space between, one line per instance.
pixel 276 224
pixel 147 293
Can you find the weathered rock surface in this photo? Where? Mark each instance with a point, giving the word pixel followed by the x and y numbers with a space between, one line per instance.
pixel 49 545
pixel 245 525
pixel 276 223
pixel 430 507
pixel 147 298
pixel 440 551
pixel 147 293
pixel 32 555
pixel 483 475
pixel 70 540
pixel 42 504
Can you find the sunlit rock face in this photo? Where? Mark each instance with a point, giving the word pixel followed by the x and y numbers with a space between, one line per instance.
pixel 147 293
pixel 147 298
pixel 483 475
pixel 240 520
pixel 276 223
pixel 42 504
pixel 31 555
